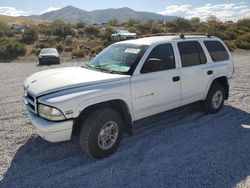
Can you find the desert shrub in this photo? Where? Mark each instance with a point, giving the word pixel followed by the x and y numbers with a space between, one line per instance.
pixel 59 48
pixel 243 41
pixel 156 28
pixel 143 28
pixel 230 44
pixel 244 45
pixel 29 36
pixel 41 45
pixel 92 31
pixel 244 24
pixel 69 40
pixel 106 34
pixel 181 25
pixel 4 30
pixel 113 22
pixel 231 34
pixel 80 24
pixel 96 51
pixel 10 50
pixel 132 22
pixel 61 29
pixel 78 53
pixel 68 49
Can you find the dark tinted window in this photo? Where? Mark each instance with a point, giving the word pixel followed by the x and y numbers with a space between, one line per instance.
pixel 216 50
pixel 164 55
pixel 191 53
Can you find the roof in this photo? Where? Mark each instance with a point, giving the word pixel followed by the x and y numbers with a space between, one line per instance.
pixel 158 39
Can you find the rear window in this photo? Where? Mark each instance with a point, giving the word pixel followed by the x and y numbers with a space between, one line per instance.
pixel 191 53
pixel 216 50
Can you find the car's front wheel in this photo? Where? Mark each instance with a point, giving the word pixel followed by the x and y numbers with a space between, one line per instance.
pixel 101 133
pixel 214 100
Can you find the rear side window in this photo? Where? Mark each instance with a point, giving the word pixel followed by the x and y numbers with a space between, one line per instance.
pixel 216 50
pixel 191 53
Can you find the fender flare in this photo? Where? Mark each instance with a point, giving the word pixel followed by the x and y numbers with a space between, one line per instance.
pixel 104 98
pixel 210 83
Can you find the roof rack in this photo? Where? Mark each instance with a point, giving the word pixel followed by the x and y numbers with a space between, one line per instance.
pixel 179 35
pixel 182 36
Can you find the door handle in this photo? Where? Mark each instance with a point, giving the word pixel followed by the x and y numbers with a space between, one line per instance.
pixel 210 72
pixel 176 79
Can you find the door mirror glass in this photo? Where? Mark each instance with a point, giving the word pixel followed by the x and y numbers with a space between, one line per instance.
pixel 152 65
pixel 160 58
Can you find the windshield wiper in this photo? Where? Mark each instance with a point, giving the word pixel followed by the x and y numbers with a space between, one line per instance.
pixel 87 66
pixel 104 68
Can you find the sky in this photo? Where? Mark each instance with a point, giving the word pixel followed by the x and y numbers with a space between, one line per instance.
pixel 223 9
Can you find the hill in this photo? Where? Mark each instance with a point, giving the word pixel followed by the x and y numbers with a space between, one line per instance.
pixel 73 14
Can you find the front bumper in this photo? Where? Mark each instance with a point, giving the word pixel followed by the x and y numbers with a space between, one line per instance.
pixel 52 131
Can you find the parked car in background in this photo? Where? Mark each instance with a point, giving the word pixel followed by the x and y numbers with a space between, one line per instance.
pixel 48 56
pixel 123 35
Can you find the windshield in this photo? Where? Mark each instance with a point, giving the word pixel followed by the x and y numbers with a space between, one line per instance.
pixel 123 31
pixel 49 51
pixel 118 58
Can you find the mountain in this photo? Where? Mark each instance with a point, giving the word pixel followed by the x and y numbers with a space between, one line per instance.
pixel 73 14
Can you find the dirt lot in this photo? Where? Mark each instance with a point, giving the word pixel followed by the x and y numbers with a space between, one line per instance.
pixel 180 148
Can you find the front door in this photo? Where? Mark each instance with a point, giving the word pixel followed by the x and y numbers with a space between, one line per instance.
pixel 157 87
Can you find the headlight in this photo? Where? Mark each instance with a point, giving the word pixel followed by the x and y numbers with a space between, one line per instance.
pixel 50 113
pixel 25 93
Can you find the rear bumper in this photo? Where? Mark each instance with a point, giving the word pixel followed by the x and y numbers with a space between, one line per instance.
pixel 48 60
pixel 52 131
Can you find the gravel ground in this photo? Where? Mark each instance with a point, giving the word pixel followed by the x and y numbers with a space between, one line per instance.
pixel 179 148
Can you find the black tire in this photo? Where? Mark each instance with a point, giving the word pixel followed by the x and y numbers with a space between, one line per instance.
pixel 91 128
pixel 58 61
pixel 207 104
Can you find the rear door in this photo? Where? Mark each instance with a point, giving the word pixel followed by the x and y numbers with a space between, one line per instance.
pixel 156 87
pixel 195 71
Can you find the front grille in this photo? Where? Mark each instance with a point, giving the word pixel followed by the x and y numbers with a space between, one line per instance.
pixel 31 102
pixel 30 97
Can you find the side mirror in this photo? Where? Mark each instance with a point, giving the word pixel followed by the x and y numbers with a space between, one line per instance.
pixel 152 65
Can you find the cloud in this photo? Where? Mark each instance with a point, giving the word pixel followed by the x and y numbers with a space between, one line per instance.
pixel 11 11
pixel 225 12
pixel 49 9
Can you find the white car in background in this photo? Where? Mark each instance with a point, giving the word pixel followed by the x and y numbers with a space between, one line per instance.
pixel 123 35
pixel 48 56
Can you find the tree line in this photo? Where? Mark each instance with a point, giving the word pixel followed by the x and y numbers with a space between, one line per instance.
pixel 84 40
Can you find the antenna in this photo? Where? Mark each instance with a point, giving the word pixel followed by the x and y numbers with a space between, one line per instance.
pixel 182 36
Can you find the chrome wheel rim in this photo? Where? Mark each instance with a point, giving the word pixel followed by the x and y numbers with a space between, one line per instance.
pixel 217 99
pixel 108 135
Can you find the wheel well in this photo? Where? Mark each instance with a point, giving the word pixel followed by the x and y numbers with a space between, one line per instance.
pixel 118 105
pixel 224 82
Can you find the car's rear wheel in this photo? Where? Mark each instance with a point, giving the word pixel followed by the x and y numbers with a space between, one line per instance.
pixel 101 133
pixel 214 100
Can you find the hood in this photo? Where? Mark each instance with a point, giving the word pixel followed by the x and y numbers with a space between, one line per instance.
pixel 58 79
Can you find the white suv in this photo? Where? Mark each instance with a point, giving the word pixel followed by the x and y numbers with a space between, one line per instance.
pixel 127 81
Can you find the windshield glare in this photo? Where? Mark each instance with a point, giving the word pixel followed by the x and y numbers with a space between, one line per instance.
pixel 118 57
pixel 48 51
pixel 123 31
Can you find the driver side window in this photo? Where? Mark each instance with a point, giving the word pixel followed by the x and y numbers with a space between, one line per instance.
pixel 160 58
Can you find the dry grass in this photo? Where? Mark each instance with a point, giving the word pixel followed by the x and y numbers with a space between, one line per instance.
pixel 21 20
